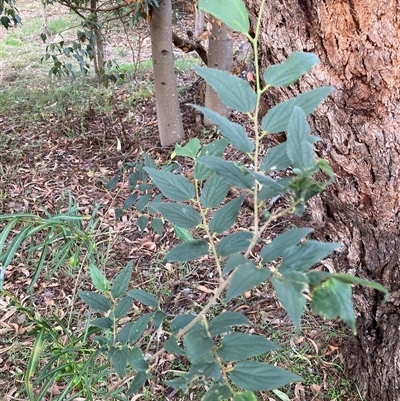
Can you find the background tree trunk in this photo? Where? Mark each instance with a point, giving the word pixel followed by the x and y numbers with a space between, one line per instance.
pixel 220 56
pixel 167 102
pixel 358 42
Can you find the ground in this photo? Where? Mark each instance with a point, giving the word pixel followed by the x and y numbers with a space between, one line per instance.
pixel 61 144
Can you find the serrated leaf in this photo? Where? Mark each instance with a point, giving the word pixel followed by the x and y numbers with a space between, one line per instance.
pixel 139 327
pixel 214 191
pixel 98 279
pixel 302 257
pixel 233 262
pixel 198 344
pixel 112 183
pixel 288 72
pixel 102 322
pixel 157 199
pixel 148 161
pixel 299 149
pixel 95 301
pixel 332 299
pixel 259 376
pixel 277 118
pixel 225 216
pixel 235 176
pixel 189 150
pixel 233 13
pixel 282 396
pixel 216 148
pixel 245 277
pixel 137 383
pixel 172 347
pixel 157 225
pixel 246 396
pixel 238 346
pixel 233 132
pixel 143 297
pixel 181 383
pixel 136 360
pixel 178 214
pixel 187 251
pixel 223 322
pixel 142 222
pixel 123 307
pixel 270 187
pixel 234 243
pixel 290 290
pixel 276 159
pixel 124 333
pixel 181 321
pixel 173 186
pixel 158 318
pixel 183 234
pixel 142 202
pixel 130 200
pixel 282 242
pixel 121 282
pixel 235 92
pixel 118 213
pixel 217 392
pixel 119 358
pixel 133 179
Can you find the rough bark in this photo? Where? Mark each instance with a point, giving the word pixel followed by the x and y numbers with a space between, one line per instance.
pixel 358 42
pixel 167 102
pixel 220 56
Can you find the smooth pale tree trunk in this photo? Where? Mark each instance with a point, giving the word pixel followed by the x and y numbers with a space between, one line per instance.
pixel 358 42
pixel 98 59
pixel 167 102
pixel 198 22
pixel 220 56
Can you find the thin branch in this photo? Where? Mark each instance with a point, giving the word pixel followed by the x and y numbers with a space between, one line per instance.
pixel 188 47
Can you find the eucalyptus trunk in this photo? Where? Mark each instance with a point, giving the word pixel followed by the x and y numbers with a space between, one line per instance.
pixel 358 42
pixel 168 112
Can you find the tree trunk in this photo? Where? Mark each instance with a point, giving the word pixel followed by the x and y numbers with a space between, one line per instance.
pixel 167 102
pixel 220 56
pixel 98 53
pixel 358 42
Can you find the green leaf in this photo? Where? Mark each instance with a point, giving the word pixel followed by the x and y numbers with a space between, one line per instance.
pixel 235 92
pixel 112 183
pixel 277 119
pixel 98 279
pixel 183 234
pixel 143 297
pixel 102 322
pixel 198 344
pixel 173 186
pixel 157 226
pixel 233 132
pixel 302 257
pixel 247 396
pixel 96 301
pixel 130 200
pixel 187 251
pixel 333 298
pixel 258 376
pixel 142 222
pixel 124 333
pixel 282 396
pixel 238 346
pixel 217 392
pixel 214 191
pixel 288 72
pixel 233 13
pixel 139 327
pixel 276 158
pixel 236 176
pixel 223 322
pixel 189 150
pixel 142 203
pixel 299 149
pixel 119 358
pixel 136 361
pixel 216 148
pixel 282 242
pixel 158 318
pixel 181 321
pixel 121 282
pixel 148 161
pixel 245 277
pixel 178 214
pixel 234 261
pixel 137 383
pixel 289 289
pixel 123 307
pixel 270 187
pixel 172 347
pixel 234 243
pixel 225 216
pixel 205 370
